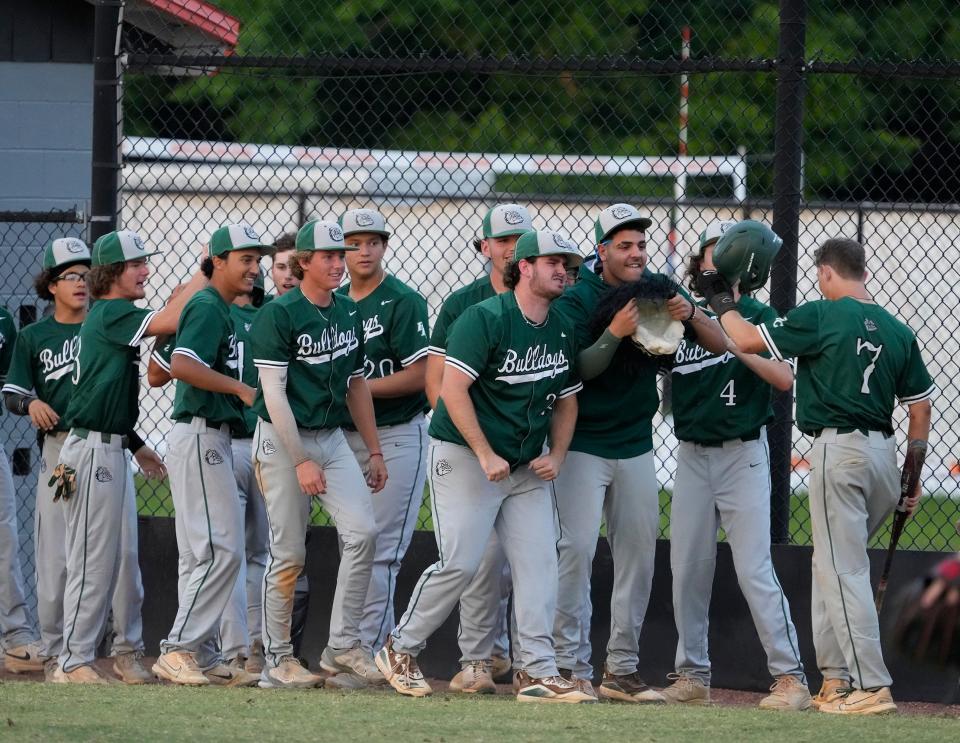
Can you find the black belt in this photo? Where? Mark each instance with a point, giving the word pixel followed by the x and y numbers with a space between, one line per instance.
pixel 717 444
pixel 850 429
pixel 105 438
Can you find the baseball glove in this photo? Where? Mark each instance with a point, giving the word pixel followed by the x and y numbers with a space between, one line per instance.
pixel 65 479
pixel 657 333
pixel 931 634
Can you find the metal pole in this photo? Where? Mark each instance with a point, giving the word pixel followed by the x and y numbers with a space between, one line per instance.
pixel 787 174
pixel 105 173
pixel 680 177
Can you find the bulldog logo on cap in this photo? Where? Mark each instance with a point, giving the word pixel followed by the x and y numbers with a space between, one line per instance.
pixel 250 233
pixel 560 241
pixel 138 243
pixel 621 212
pixel 512 216
pixel 75 246
pixel 364 219
pixel 336 234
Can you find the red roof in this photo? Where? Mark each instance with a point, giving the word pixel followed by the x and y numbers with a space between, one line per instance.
pixel 203 16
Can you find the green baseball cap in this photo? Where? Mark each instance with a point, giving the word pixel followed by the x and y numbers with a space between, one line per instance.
pixel 356 221
pixel 320 235
pixel 616 217
pixel 507 219
pixel 714 232
pixel 240 236
pixel 65 251
pixel 547 242
pixel 119 247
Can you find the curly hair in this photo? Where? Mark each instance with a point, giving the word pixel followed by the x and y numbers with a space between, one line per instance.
pixel 694 266
pixel 298 260
pixel 511 277
pixel 101 278
pixel 42 281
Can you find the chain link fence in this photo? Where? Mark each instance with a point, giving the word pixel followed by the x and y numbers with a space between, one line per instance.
pixel 276 113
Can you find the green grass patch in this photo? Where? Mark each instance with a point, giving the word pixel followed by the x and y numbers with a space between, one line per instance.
pixel 931 528
pixel 46 712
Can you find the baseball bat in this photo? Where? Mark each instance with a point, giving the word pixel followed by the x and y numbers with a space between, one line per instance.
pixel 912 466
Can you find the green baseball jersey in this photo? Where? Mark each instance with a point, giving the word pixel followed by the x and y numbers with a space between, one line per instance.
pixel 453 307
pixel 242 324
pixel 615 412
pixel 519 371
pixel 43 363
pixel 162 353
pixel 322 350
pixel 106 380
pixel 205 334
pixel 8 339
pixel 394 336
pixel 853 360
pixel 715 396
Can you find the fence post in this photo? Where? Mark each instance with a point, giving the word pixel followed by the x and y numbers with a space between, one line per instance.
pixel 787 171
pixel 105 172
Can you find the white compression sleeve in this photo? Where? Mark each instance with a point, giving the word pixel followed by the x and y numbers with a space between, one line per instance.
pixel 273 381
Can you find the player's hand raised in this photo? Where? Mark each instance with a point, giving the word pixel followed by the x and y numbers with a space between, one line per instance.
pixel 679 307
pixel 625 321
pixel 311 479
pixel 494 467
pixel 376 473
pixel 546 467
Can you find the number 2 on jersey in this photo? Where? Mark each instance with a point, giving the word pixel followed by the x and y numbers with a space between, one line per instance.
pixel 871 349
pixel 729 394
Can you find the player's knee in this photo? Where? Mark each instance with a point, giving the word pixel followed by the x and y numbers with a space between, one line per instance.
pixel 361 542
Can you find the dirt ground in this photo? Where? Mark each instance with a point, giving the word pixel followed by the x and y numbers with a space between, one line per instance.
pixel 724 697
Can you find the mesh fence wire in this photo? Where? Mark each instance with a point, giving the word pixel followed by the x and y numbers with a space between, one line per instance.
pixel 432 112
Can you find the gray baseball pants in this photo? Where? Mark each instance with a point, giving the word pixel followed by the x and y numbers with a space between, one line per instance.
pixel 348 501
pixel 624 493
pixel 242 620
pixel 485 607
pixel 16 622
pixel 209 526
pixel 395 509
pixel 467 508
pixel 854 485
pixel 726 486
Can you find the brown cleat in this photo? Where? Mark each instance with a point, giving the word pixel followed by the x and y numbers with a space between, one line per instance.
pixel 180 667
pixel 224 674
pixel 686 690
pixel 79 675
pixel 255 661
pixel 788 693
pixel 551 689
pixel 628 688
pixel 474 678
pixel 23 659
pixel 830 691
pixel 129 668
pixel 401 671
pixel 861 702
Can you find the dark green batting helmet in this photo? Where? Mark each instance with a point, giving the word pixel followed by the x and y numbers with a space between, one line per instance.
pixel 745 253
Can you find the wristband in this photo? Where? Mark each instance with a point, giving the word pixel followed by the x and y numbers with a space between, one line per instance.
pixel 693 312
pixel 376 454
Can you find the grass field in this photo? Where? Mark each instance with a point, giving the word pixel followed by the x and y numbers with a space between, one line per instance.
pixel 931 528
pixel 45 712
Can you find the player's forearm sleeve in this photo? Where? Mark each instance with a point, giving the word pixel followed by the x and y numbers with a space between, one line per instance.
pixel 274 385
pixel 593 361
pixel 17 403
pixel 134 442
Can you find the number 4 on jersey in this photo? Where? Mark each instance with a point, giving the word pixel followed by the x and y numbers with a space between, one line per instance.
pixel 871 349
pixel 729 394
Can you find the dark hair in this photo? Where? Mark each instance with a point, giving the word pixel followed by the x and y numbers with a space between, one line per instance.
pixel 511 276
pixel 101 278
pixel 42 281
pixel 694 266
pixel 846 257
pixel 296 261
pixel 478 244
pixel 286 241
pixel 206 267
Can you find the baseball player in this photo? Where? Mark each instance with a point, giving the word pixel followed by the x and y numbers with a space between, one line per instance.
pixel 92 472
pixel 18 635
pixel 207 408
pixel 721 407
pixel 280 270
pixel 509 382
pixel 609 473
pixel 395 342
pixel 308 348
pixel 483 636
pixel 39 386
pixel 853 360
pixel 241 623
